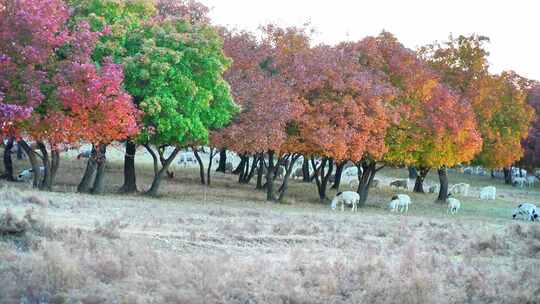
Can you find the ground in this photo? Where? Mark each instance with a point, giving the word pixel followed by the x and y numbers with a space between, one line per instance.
pixel 225 244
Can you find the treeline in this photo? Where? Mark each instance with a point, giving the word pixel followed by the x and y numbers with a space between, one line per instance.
pixel 158 74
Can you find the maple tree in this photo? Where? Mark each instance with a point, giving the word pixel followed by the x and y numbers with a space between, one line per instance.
pixel 437 128
pixel 51 78
pixel 498 101
pixel 531 145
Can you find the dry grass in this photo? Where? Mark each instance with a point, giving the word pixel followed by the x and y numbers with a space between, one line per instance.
pixel 225 245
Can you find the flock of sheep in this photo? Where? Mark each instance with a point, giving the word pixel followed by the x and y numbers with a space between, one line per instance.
pixel 398 203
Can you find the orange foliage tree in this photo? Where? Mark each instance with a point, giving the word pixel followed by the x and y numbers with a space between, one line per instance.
pixel 499 101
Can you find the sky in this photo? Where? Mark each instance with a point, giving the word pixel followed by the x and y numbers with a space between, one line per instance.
pixel 513 26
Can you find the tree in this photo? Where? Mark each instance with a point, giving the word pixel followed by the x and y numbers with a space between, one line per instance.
pixel 531 145
pixel 498 101
pixel 268 105
pixel 50 74
pixel 437 129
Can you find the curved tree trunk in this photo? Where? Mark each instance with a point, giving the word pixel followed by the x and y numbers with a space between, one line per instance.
pixel 130 177
pixel 322 177
pixel 222 161
pixel 99 180
pixel 91 166
pixel 45 183
pixel 160 173
pixel 367 170
pixel 443 190
pixel 241 165
pixel 32 158
pixel 8 162
pixel 419 184
pixel 253 168
pixel 201 165
pixel 285 185
pixel 55 164
pixel 339 171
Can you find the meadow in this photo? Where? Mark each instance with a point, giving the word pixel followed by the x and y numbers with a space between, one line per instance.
pixel 225 244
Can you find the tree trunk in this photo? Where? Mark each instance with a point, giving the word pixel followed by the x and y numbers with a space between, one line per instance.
pixel 8 162
pixel 306 178
pixel 322 177
pixel 222 161
pixel 101 161
pixel 243 174
pixel 492 174
pixel 260 171
pixel 46 166
pixel 130 177
pixel 159 176
pixel 270 177
pixel 366 174
pixel 201 165
pixel 88 177
pixel 55 164
pixel 209 170
pixel 32 158
pixel 253 168
pixel 419 184
pixel 285 184
pixel 339 171
pixel 443 190
pixel 413 173
pixel 507 176
pixel 241 165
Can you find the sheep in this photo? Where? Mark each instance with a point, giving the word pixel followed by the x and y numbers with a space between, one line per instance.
pixel 27 174
pixel 433 189
pixel 453 204
pixel 526 211
pixel 399 184
pixel 519 181
pixel 531 180
pixel 186 158
pixel 86 153
pixel 488 193
pixel 400 203
pixel 350 198
pixel 298 173
pixel 461 188
pixel 351 171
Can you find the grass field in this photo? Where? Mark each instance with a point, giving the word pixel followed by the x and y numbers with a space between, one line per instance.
pixel 225 244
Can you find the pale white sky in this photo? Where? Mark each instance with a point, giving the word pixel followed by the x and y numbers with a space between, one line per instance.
pixel 513 26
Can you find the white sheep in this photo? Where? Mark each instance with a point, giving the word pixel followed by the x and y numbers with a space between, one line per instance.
pixel 488 193
pixel 526 211
pixel 433 189
pixel 27 174
pixel 350 171
pixel 520 181
pixel 461 188
pixel 453 205
pixel 350 198
pixel 186 158
pixel 400 203
pixel 531 180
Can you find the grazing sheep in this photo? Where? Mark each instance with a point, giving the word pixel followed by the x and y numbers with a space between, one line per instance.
pixel 400 203
pixel 433 189
pixel 186 158
pixel 399 184
pixel 298 174
pixel 531 180
pixel 28 174
pixel 351 171
pixel 526 211
pixel 488 193
pixel 84 154
pixel 461 188
pixel 519 181
pixel 228 167
pixel 350 198
pixel 453 204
